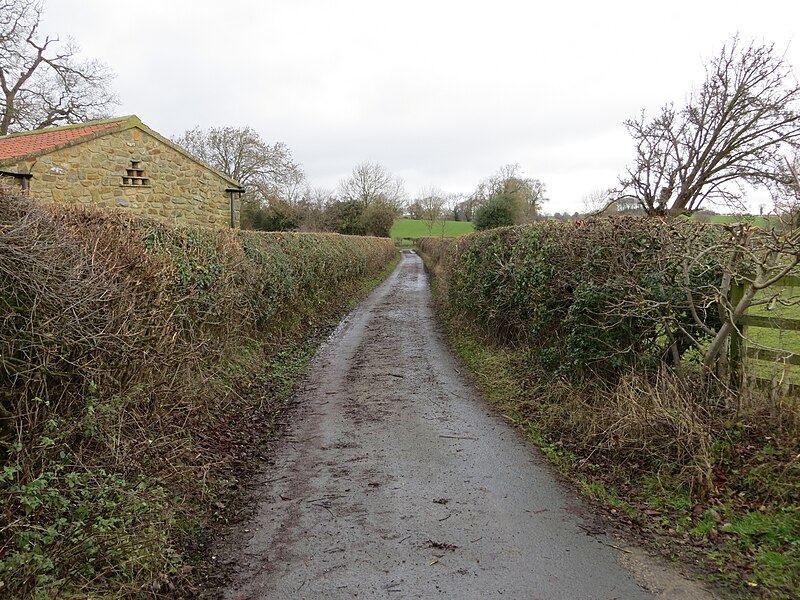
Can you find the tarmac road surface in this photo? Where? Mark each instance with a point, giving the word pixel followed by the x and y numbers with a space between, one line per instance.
pixel 396 480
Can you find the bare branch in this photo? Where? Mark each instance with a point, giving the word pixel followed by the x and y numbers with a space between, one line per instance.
pixel 43 82
pixel 371 183
pixel 269 172
pixel 736 129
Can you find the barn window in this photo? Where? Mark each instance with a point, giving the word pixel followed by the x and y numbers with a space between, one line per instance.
pixel 135 175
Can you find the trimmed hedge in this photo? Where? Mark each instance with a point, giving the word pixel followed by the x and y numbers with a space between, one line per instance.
pixel 593 297
pixel 123 343
pixel 582 334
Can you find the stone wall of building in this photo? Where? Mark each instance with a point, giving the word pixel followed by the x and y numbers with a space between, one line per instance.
pixel 134 171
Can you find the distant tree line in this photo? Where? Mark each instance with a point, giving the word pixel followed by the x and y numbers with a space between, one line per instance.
pixel 279 196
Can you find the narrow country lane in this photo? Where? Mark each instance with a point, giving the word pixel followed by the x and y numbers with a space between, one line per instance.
pixel 396 480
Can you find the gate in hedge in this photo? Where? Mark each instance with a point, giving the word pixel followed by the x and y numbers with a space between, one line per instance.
pixel 767 343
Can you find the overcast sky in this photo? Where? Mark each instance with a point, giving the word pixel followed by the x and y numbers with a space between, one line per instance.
pixel 439 92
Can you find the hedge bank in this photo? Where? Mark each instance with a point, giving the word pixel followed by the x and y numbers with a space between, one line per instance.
pixel 134 356
pixel 578 332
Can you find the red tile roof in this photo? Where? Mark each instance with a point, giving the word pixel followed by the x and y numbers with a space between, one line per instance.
pixel 20 145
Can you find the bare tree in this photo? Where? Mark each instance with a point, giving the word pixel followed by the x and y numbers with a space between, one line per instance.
pixel 315 208
pixel 597 202
pixel 414 210
pixel 787 206
pixel 43 82
pixel 432 202
pixel 454 206
pixel 370 183
pixel 267 171
pixel 733 132
pixel 369 200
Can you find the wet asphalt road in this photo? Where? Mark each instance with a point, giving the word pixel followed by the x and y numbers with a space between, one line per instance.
pixel 395 480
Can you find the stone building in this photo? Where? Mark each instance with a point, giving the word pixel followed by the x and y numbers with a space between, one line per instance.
pixel 119 163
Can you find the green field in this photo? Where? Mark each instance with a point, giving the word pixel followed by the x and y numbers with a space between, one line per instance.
pixel 763 222
pixel 775 338
pixel 412 228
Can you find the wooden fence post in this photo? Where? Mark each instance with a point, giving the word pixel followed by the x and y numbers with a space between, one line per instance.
pixel 735 354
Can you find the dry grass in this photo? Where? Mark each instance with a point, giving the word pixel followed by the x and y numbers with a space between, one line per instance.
pixel 659 419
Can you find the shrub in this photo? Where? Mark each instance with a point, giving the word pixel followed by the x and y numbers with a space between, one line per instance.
pixel 603 295
pixel 378 219
pixel 498 211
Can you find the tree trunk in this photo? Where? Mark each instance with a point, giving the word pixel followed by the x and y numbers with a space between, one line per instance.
pixel 718 344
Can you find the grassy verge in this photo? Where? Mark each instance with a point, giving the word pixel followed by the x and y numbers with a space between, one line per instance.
pixel 744 535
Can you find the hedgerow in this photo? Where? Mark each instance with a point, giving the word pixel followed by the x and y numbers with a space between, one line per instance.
pixel 591 335
pixel 126 347
pixel 596 297
pixel 595 305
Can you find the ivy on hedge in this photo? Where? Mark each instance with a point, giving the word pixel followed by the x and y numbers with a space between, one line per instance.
pixel 597 296
pixel 120 340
